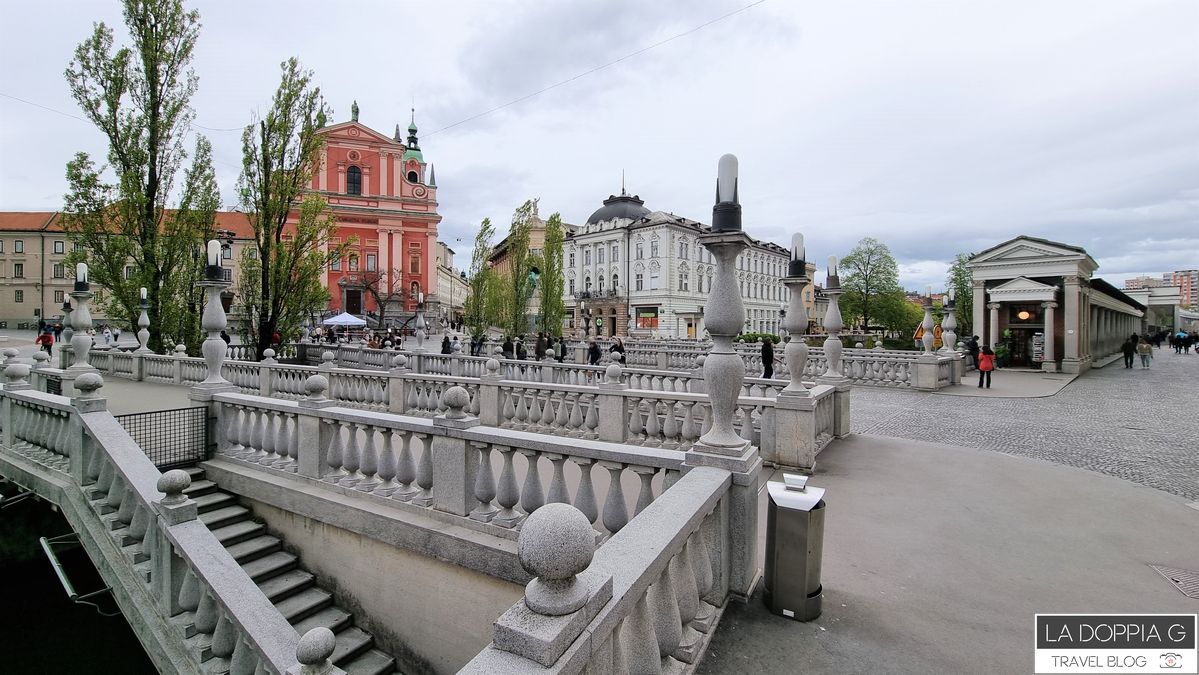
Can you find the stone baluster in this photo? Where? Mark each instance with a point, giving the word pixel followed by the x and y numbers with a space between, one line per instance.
pixel 405 469
pixel 266 439
pixel 585 494
pixel 558 493
pixel 929 337
pixel 509 493
pixel 653 426
pixel 484 484
pixel 663 602
pixel 616 513
pixel 387 465
pixel 424 473
pixel 370 460
pixel 351 459
pixel 575 423
pixel 640 649
pixel 592 419
pixel 333 454
pixel 531 494
pixel 646 494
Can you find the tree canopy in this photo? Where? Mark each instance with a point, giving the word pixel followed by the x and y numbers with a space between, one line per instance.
pixel 961 280
pixel 553 279
pixel 868 273
pixel 139 97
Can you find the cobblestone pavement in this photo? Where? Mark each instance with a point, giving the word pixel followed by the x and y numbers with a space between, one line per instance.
pixel 1139 425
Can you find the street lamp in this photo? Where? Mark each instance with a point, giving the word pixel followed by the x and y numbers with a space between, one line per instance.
pixel 533 276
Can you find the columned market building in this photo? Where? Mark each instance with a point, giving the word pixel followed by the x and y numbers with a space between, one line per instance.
pixel 1038 300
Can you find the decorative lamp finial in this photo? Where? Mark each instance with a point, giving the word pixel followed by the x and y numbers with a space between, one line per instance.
pixel 797 266
pixel 726 215
pixel 81 277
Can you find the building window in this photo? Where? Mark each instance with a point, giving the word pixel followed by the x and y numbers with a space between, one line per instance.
pixel 640 251
pixel 647 317
pixel 586 256
pixel 335 264
pixel 572 286
pixel 615 253
pixel 19 295
pixel 599 255
pixel 353 181
pixel 226 251
pixel 1 246
pixel 572 259
pixel 60 247
pixel 227 274
pixel 638 281
pixel 616 282
pixel 587 285
pixel 353 263
pixel 683 281
pixel 128 272
pixel 414 263
pixel 413 177
pixel 60 271
pixel 372 262
pixel 78 247
pixel 18 246
pixel 416 290
pixel 60 297
pixel 653 249
pixel 252 253
pixel 653 281
pixel 682 250
pixel 18 271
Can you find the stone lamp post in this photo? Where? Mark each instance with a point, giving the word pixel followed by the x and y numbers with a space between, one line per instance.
pixel 213 322
pixel 143 325
pixel 929 337
pixel 81 321
pixel 833 326
pixel 949 338
pixel 420 322
pixel 67 333
pixel 795 319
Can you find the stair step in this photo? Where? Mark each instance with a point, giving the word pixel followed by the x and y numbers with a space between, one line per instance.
pixel 224 516
pixel 231 534
pixel 306 602
pixel 195 473
pixel 289 583
pixel 334 618
pixel 350 643
pixel 200 487
pixel 268 566
pixel 213 501
pixel 245 551
pixel 372 662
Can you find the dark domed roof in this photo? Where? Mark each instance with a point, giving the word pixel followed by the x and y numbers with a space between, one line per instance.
pixel 622 206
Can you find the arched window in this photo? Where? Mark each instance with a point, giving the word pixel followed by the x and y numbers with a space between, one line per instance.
pixel 415 289
pixel 413 177
pixel 353 181
pixel 616 282
pixel 601 283
pixel 587 284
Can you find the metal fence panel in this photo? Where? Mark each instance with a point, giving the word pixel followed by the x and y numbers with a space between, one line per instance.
pixel 170 438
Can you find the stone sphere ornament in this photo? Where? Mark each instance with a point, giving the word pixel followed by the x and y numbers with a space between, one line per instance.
pixel 316 386
pixel 400 361
pixel 455 399
pixel 172 484
pixel 88 383
pixel 614 372
pixel 316 646
pixel 556 544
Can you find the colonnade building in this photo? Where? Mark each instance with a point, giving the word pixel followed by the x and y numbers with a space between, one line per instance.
pixel 1039 299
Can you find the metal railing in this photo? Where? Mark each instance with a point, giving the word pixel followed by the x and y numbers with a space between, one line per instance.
pixel 170 438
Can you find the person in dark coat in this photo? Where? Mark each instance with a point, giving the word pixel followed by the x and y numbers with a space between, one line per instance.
pixel 540 348
pixel 617 350
pixel 445 345
pixel 974 349
pixel 1130 349
pixel 767 358
pixel 561 348
pixel 594 354
pixel 506 349
pixel 521 354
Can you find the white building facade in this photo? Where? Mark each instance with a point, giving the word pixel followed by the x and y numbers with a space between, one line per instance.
pixel 643 273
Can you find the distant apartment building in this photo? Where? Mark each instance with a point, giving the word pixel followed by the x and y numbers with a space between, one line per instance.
pixel 1146 281
pixel 1188 282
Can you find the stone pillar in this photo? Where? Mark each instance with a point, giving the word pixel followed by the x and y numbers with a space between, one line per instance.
pixel 724 373
pixel 926 364
pixel 1049 364
pixel 314 434
pixel 1071 363
pixel 454 460
pixel 81 322
pixel 143 326
pixel 613 407
pixel 978 307
pixel 64 348
pixel 397 392
pixel 993 327
pixel 833 374
pixel 489 394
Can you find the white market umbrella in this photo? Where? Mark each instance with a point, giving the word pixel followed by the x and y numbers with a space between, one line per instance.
pixel 344 319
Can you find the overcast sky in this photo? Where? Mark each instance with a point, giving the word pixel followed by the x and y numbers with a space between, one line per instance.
pixel 936 127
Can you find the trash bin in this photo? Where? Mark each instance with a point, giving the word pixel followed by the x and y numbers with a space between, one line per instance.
pixel 794 547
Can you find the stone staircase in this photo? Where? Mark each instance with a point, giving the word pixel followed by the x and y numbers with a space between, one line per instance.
pixel 290 588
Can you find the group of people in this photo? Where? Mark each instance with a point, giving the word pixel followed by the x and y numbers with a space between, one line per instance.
pixel 49 333
pixel 1138 345
pixel 516 349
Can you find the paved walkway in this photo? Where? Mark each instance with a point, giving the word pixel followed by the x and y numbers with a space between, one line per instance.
pixel 1140 425
pixel 936 558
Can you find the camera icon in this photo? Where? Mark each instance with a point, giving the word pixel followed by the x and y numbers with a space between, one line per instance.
pixel 1171 660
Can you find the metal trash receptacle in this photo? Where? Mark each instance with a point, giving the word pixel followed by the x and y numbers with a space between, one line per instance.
pixel 794 548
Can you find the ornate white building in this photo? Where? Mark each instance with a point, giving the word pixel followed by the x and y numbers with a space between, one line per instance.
pixel 643 273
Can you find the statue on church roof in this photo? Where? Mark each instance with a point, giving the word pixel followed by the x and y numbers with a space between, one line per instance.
pixel 354 112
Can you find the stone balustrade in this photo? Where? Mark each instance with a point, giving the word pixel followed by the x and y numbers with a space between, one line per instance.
pixel 158 557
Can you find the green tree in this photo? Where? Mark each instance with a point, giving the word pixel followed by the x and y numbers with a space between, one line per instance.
pixel 961 280
pixel 480 278
pixel 897 314
pixel 553 280
pixel 518 288
pixel 279 156
pixel 139 97
pixel 868 272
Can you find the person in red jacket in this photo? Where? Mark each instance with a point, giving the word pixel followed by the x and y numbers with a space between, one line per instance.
pixel 986 363
pixel 46 340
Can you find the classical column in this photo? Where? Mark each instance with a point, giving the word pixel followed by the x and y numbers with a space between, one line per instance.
pixel 993 328
pixel 1072 319
pixel 979 306
pixel 1049 363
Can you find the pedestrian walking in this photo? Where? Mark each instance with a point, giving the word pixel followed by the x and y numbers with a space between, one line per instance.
pixel 594 354
pixel 1145 351
pixel 617 350
pixel 1129 348
pixel 225 337
pixel 540 347
pixel 46 340
pixel 116 335
pixel 767 358
pixel 561 348
pixel 107 336
pixel 506 349
pixel 986 364
pixel 445 345
pixel 973 348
